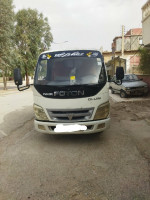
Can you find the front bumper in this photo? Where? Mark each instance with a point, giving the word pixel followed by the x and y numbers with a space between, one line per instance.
pixel 137 91
pixel 92 126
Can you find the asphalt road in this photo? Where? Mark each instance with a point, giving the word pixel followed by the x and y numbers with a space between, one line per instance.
pixel 114 165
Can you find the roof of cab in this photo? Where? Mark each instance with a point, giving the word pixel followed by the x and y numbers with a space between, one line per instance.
pixel 60 50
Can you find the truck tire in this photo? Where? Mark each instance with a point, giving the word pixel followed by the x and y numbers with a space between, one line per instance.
pixel 123 94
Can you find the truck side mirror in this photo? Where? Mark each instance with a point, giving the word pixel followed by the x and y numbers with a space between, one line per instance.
pixel 18 80
pixel 17 76
pixel 119 73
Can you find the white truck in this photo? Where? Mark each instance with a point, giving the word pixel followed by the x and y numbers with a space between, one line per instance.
pixel 70 92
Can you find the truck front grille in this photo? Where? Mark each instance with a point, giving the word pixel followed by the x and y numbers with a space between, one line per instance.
pixel 71 115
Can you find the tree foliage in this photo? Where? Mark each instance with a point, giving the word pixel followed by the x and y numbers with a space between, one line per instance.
pixel 144 60
pixel 22 37
pixel 32 35
pixel 6 37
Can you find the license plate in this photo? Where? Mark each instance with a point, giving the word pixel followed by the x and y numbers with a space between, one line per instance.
pixel 70 128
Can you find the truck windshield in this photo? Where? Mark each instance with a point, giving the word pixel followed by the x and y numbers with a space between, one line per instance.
pixel 70 71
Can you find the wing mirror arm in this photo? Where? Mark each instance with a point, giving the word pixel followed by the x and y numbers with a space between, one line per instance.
pixel 23 88
pixel 119 82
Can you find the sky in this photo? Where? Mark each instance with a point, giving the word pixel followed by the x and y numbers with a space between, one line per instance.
pixel 90 24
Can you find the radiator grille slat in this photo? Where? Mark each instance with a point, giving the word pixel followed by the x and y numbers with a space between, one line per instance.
pixel 70 115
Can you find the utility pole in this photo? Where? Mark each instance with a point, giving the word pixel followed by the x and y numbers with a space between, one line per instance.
pixel 122 44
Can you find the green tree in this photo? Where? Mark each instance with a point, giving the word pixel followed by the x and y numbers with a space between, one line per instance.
pixel 32 36
pixel 6 37
pixel 144 60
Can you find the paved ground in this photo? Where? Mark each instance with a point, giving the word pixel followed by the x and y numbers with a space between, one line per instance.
pixel 10 85
pixel 15 102
pixel 114 165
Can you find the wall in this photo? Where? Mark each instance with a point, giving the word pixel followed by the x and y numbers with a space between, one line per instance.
pixel 146 23
pixel 118 44
pixel 135 41
pixel 146 78
pixel 113 64
pixel 127 44
pixel 107 56
pixel 146 31
pixel 130 43
pixel 134 60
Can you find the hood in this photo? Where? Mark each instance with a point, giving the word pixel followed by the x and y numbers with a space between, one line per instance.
pixel 134 84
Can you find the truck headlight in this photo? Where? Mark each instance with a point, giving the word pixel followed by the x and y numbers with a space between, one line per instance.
pixel 102 111
pixel 39 113
pixel 127 88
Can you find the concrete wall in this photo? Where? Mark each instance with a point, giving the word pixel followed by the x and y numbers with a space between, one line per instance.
pixel 135 42
pixel 107 56
pixel 113 64
pixel 132 60
pixel 146 78
pixel 127 44
pixel 118 44
pixel 146 31
pixel 130 43
pixel 146 23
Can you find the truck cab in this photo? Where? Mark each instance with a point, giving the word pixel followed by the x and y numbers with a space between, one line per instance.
pixel 71 92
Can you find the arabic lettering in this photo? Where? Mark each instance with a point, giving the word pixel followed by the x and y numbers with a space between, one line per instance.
pixel 69 54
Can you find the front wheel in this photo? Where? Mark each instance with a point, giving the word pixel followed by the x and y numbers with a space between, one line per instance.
pixel 123 94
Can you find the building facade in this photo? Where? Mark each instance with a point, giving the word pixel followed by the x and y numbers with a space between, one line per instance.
pixel 130 58
pixel 132 41
pixel 146 23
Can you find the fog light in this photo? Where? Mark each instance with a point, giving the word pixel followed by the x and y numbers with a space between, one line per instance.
pixel 101 126
pixel 41 127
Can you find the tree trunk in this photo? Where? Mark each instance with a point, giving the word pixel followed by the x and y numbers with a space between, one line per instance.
pixel 4 81
pixel 27 78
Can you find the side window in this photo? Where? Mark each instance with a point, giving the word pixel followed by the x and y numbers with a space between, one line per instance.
pixel 102 76
pixel 42 69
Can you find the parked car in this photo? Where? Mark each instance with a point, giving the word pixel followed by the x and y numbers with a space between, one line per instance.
pixel 131 85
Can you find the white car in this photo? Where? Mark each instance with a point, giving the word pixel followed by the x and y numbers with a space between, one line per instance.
pixel 131 85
